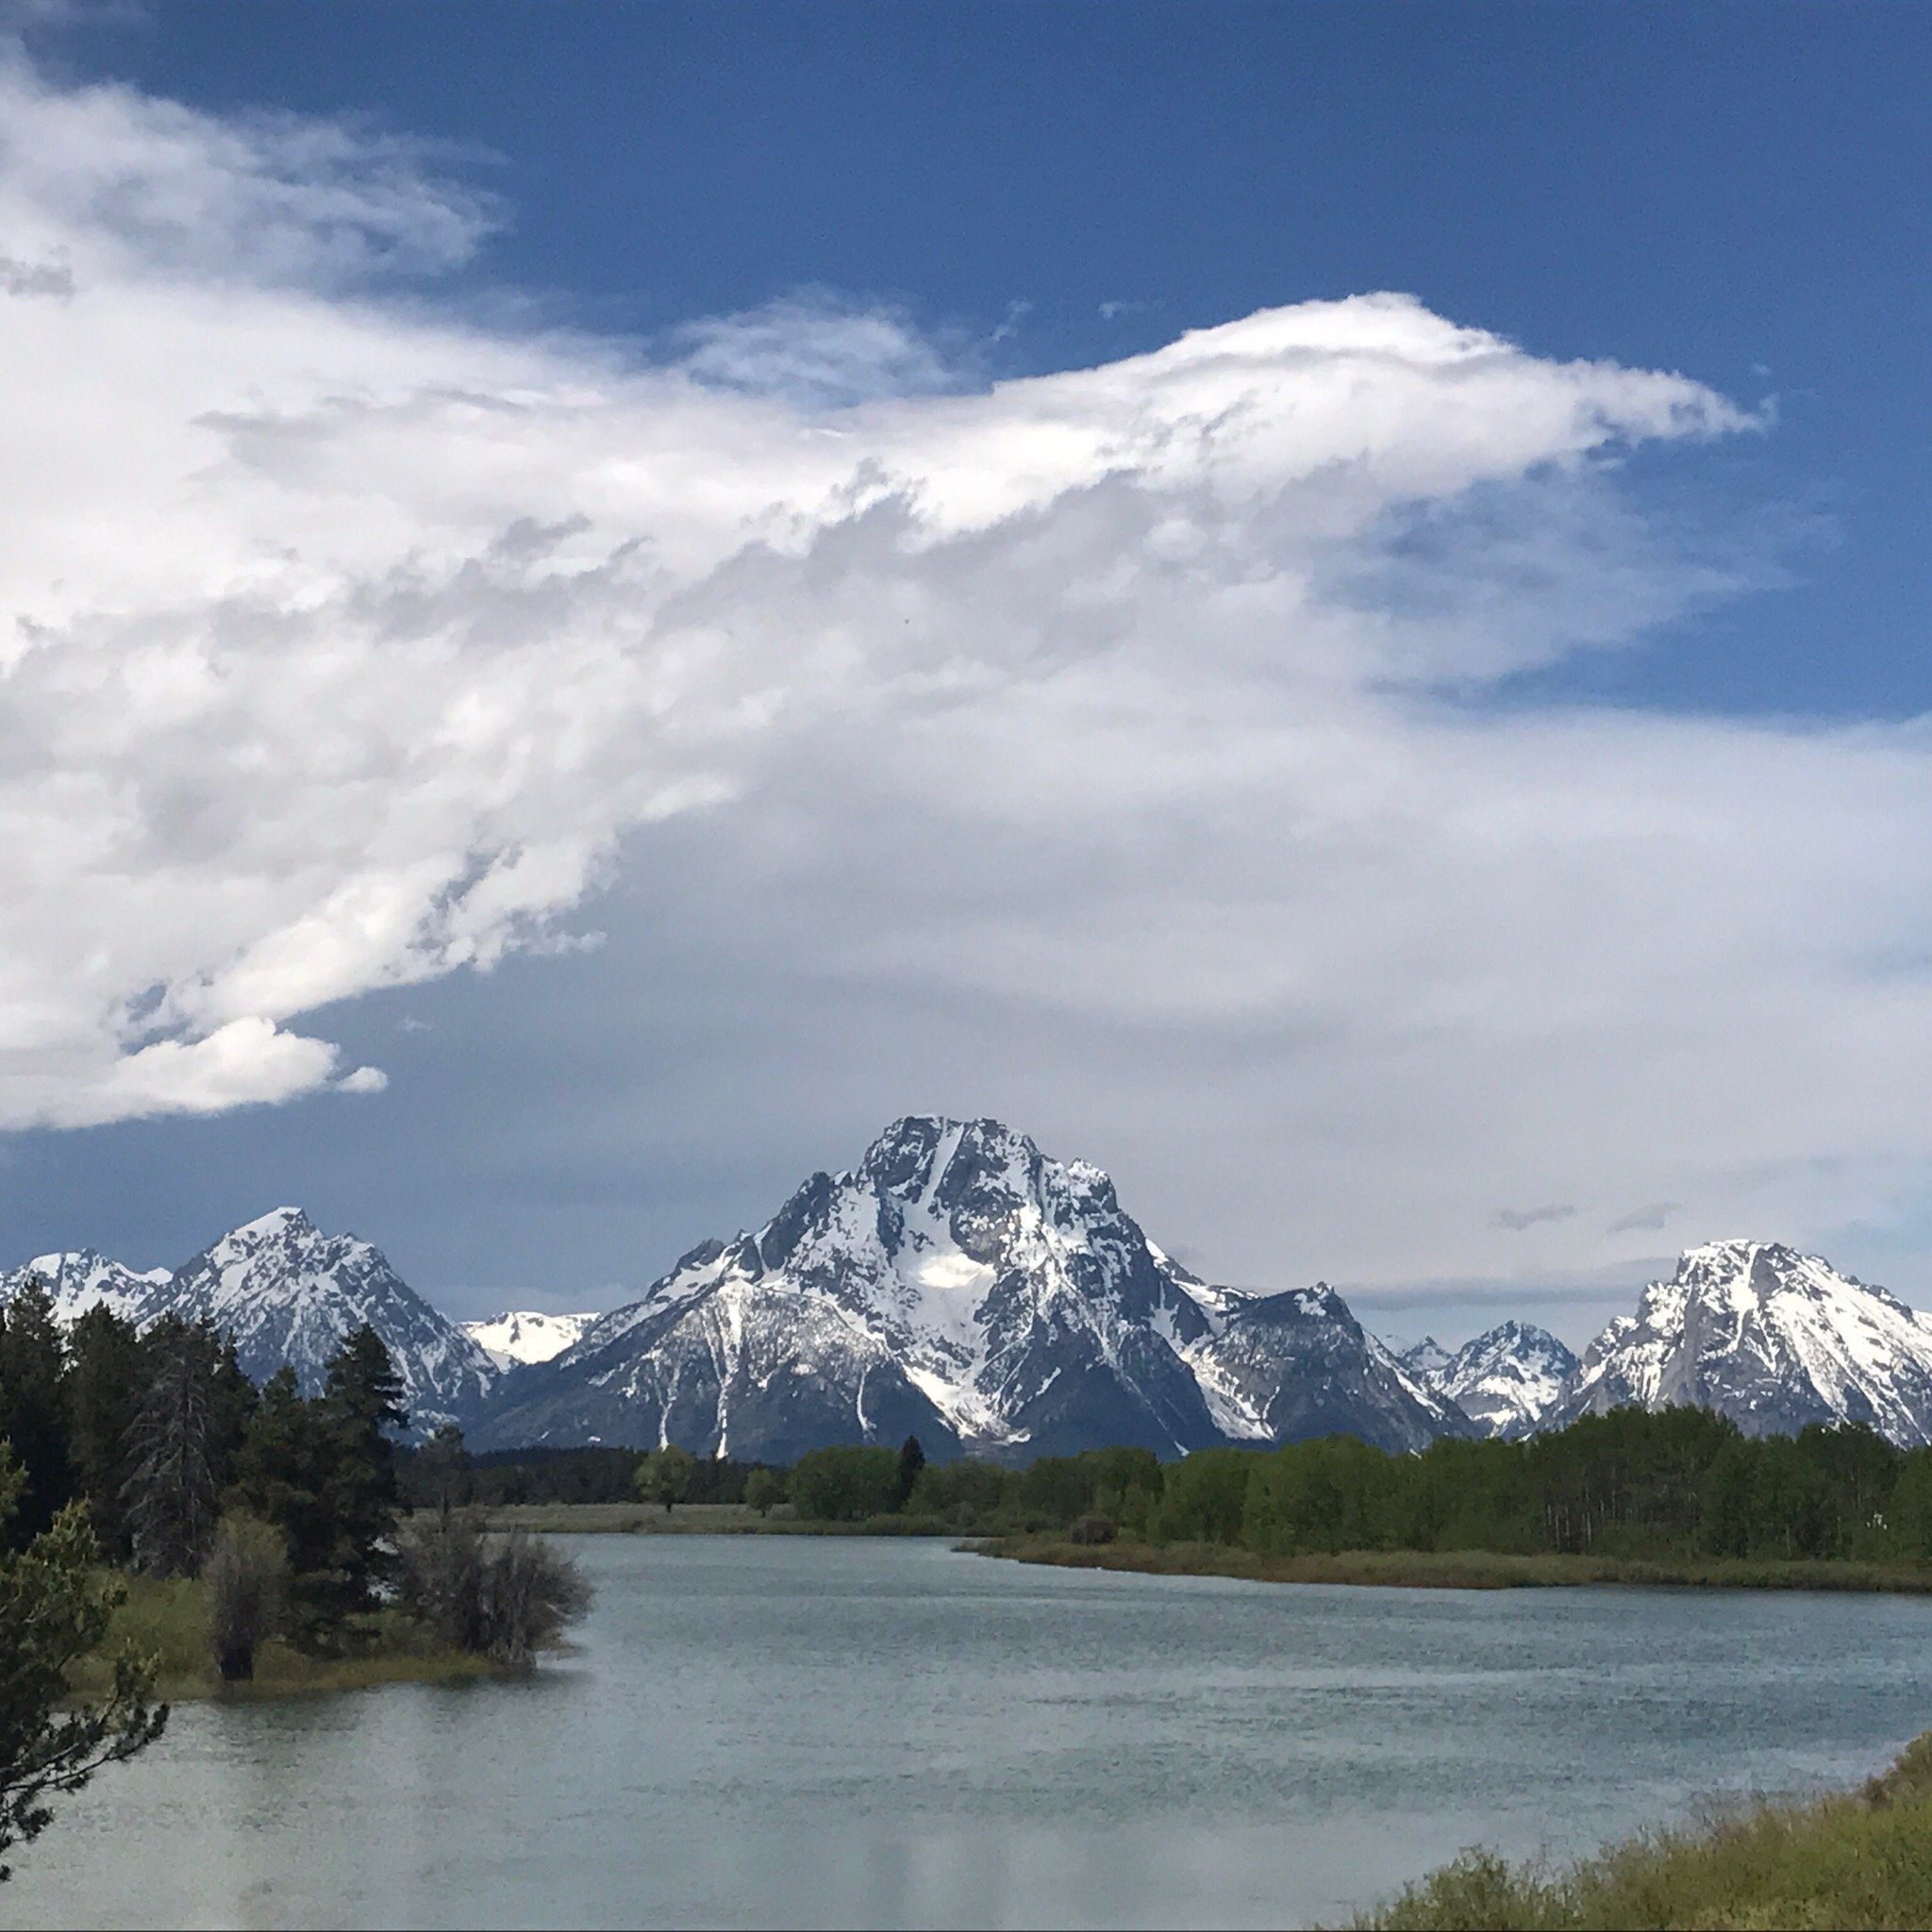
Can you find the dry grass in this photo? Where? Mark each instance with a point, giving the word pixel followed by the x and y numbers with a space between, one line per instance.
pixel 1861 1860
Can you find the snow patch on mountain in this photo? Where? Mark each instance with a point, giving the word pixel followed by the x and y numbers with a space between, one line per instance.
pixel 525 1334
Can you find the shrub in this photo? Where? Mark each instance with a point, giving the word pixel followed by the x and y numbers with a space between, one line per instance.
pixel 499 1597
pixel 247 1576
pixel 763 1487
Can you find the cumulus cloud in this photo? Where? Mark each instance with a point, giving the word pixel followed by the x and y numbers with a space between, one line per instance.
pixel 343 645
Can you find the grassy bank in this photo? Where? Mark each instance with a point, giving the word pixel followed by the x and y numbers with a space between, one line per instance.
pixel 1455 1568
pixel 690 1519
pixel 169 1620
pixel 1860 1860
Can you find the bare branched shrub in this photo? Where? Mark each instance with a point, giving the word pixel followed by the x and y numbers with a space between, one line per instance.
pixel 502 1597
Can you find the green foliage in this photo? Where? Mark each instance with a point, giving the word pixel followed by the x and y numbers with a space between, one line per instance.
pixel 55 1608
pixel 1628 1486
pixel 764 1490
pixel 322 1472
pixel 665 1476
pixel 845 1484
pixel 966 1494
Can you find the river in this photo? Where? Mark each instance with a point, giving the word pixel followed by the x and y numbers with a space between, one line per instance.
pixel 801 1731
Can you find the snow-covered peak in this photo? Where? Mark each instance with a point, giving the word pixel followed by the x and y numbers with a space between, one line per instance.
pixel 1425 1358
pixel 1773 1337
pixel 82 1278
pixel 1508 1379
pixel 290 1294
pixel 525 1334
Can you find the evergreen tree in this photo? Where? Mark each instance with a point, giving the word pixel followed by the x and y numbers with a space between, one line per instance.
pixel 362 1405
pixel 104 1391
pixel 55 1608
pixel 281 1474
pixel 171 1493
pixel 33 1409
pixel 912 1460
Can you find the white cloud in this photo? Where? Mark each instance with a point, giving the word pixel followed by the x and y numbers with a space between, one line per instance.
pixel 341 646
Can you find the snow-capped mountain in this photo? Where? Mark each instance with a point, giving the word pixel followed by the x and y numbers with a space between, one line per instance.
pixel 1772 1339
pixel 83 1279
pixel 961 1286
pixel 1425 1359
pixel 290 1294
pixel 1281 1367
pixel 1507 1382
pixel 525 1334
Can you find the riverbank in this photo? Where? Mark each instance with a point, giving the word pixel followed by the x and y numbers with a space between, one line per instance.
pixel 168 1619
pixel 1453 1568
pixel 1859 1861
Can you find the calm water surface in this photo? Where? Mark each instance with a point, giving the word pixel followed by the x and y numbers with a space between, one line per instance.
pixel 803 1732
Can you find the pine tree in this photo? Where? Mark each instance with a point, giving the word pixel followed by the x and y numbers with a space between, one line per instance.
pixel 912 1460
pixel 33 1409
pixel 362 1404
pixel 104 1389
pixel 171 1493
pixel 280 1476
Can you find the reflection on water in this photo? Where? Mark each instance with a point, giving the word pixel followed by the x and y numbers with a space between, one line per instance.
pixel 794 1731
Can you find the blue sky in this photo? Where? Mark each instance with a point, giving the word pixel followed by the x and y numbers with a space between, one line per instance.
pixel 1739 195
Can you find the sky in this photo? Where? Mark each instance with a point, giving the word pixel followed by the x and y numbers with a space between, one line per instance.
pixel 1325 606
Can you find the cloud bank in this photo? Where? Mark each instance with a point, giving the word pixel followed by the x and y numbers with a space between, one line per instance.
pixel 346 642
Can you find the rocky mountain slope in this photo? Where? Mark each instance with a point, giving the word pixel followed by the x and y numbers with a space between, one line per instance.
pixel 1281 1367
pixel 525 1334
pixel 959 1284
pixel 1772 1339
pixel 1507 1381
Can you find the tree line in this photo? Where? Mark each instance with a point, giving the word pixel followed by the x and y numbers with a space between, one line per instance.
pixel 1674 1484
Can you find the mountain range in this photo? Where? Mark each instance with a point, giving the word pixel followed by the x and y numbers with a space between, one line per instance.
pixel 959 1284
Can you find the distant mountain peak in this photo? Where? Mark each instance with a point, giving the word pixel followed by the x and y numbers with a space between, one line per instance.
pixel 1773 1337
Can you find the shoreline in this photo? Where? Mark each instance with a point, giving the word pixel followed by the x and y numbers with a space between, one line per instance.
pixel 1455 1568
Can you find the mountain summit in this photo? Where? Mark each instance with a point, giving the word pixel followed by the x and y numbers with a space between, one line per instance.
pixel 959 1285
pixel 1772 1339
pixel 290 1294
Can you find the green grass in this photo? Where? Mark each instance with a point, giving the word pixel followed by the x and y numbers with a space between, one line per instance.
pixel 1455 1568
pixel 1859 1861
pixel 168 1619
